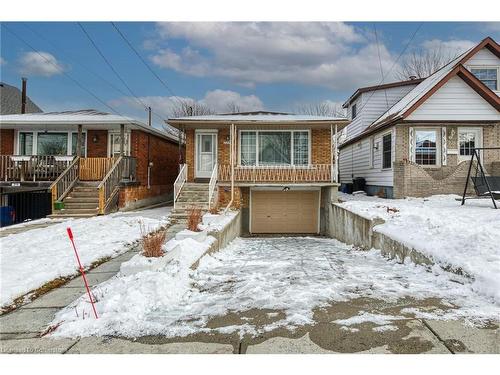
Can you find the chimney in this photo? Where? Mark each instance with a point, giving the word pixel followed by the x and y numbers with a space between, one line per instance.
pixel 23 96
pixel 412 78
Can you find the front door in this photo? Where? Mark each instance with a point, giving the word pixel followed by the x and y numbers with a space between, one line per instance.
pixel 206 154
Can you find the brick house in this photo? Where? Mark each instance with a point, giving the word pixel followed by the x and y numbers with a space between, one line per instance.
pixel 279 169
pixel 120 163
pixel 415 138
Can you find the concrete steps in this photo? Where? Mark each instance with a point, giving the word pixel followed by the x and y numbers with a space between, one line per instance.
pixel 193 195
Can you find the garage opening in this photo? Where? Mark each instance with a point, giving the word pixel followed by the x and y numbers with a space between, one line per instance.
pixel 278 211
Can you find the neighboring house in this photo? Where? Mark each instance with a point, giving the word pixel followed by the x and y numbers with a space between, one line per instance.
pixel 11 100
pixel 278 168
pixel 414 138
pixel 120 162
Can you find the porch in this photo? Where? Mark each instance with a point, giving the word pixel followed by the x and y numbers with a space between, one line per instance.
pixel 290 174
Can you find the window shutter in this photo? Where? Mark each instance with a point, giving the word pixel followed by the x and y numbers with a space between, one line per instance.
pixel 411 145
pixel 444 148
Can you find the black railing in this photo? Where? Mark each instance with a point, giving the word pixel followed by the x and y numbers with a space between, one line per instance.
pixel 17 207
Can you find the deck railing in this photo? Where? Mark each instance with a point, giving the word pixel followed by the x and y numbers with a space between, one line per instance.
pixel 94 169
pixel 65 182
pixel 212 187
pixel 277 174
pixel 18 168
pixel 110 184
pixel 180 181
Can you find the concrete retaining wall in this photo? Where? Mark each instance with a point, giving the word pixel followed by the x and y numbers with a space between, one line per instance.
pixel 222 237
pixel 354 229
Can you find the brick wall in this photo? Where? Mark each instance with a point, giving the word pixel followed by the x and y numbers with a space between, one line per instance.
pixel 98 149
pixel 7 142
pixel 165 158
pixel 411 179
pixel 241 197
pixel 320 146
pixel 190 153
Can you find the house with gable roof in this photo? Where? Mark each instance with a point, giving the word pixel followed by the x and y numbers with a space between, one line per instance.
pixel 415 138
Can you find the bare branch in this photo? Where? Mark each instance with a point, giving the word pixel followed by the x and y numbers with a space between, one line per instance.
pixel 321 109
pixel 188 107
pixel 422 63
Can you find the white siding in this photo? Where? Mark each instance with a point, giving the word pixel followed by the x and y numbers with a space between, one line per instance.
pixel 371 105
pixel 483 57
pixel 455 100
pixel 354 161
pixel 486 58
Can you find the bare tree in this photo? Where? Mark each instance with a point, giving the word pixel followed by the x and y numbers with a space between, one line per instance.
pixel 422 63
pixel 325 108
pixel 233 107
pixel 188 107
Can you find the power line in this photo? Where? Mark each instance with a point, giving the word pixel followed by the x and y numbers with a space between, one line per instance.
pixel 111 65
pixel 61 70
pixel 395 62
pixel 146 64
pixel 380 62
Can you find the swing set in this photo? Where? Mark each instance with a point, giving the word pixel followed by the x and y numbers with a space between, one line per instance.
pixel 485 186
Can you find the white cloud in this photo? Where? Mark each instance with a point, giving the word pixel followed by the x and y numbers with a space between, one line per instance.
pixel 451 47
pixel 218 100
pixel 334 54
pixel 39 64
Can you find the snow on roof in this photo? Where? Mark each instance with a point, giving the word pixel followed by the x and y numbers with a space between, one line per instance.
pixel 83 117
pixel 418 92
pixel 259 116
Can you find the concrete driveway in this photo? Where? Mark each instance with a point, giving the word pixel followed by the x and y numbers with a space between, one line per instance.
pixel 307 295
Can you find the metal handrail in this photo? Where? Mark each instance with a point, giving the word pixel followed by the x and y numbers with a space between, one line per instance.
pixel 180 181
pixel 212 185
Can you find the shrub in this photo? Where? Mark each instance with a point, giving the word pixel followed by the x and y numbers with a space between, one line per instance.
pixel 152 242
pixel 194 219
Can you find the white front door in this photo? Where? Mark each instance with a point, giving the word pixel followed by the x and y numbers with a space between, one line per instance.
pixel 206 153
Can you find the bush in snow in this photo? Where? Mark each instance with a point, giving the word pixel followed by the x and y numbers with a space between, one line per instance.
pixel 152 242
pixel 194 219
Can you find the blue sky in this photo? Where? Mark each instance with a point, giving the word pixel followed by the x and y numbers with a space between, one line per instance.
pixel 273 66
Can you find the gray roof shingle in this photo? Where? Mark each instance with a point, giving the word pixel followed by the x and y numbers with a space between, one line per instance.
pixel 10 101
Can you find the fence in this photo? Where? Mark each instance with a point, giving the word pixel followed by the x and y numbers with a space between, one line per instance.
pixel 25 205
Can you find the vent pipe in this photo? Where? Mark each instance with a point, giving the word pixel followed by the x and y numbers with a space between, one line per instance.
pixel 23 96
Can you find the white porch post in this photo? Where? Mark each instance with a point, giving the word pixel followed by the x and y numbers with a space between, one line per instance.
pixel 79 141
pixel 231 158
pixel 122 139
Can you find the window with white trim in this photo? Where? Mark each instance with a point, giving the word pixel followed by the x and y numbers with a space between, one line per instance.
pixel 487 75
pixel 274 148
pixel 468 139
pixel 426 146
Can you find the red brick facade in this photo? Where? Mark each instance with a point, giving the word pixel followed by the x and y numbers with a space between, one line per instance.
pixel 99 148
pixel 164 156
pixel 6 141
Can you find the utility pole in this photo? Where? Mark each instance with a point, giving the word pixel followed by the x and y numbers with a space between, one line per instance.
pixel 149 116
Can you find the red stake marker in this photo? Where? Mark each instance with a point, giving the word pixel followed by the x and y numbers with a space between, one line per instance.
pixel 70 235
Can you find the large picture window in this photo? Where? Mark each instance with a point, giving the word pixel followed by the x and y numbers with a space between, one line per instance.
pixel 426 151
pixel 274 148
pixel 52 144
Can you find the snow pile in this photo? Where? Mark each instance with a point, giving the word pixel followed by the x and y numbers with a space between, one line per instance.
pixel 456 237
pixel 216 222
pixel 30 259
pixel 143 291
pixel 290 275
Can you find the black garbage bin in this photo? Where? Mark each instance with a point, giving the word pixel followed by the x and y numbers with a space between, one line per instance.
pixel 358 184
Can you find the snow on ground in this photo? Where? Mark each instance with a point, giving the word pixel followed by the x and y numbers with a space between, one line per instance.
pixel 293 275
pixel 34 257
pixel 453 236
pixel 216 222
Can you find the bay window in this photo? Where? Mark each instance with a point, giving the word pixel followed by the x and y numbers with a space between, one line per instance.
pixel 274 148
pixel 426 150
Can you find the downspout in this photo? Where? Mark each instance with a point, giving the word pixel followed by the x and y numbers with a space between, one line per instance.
pixel 231 161
pixel 149 164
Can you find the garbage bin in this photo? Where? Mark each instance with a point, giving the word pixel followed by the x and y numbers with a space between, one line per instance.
pixel 6 216
pixel 359 184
